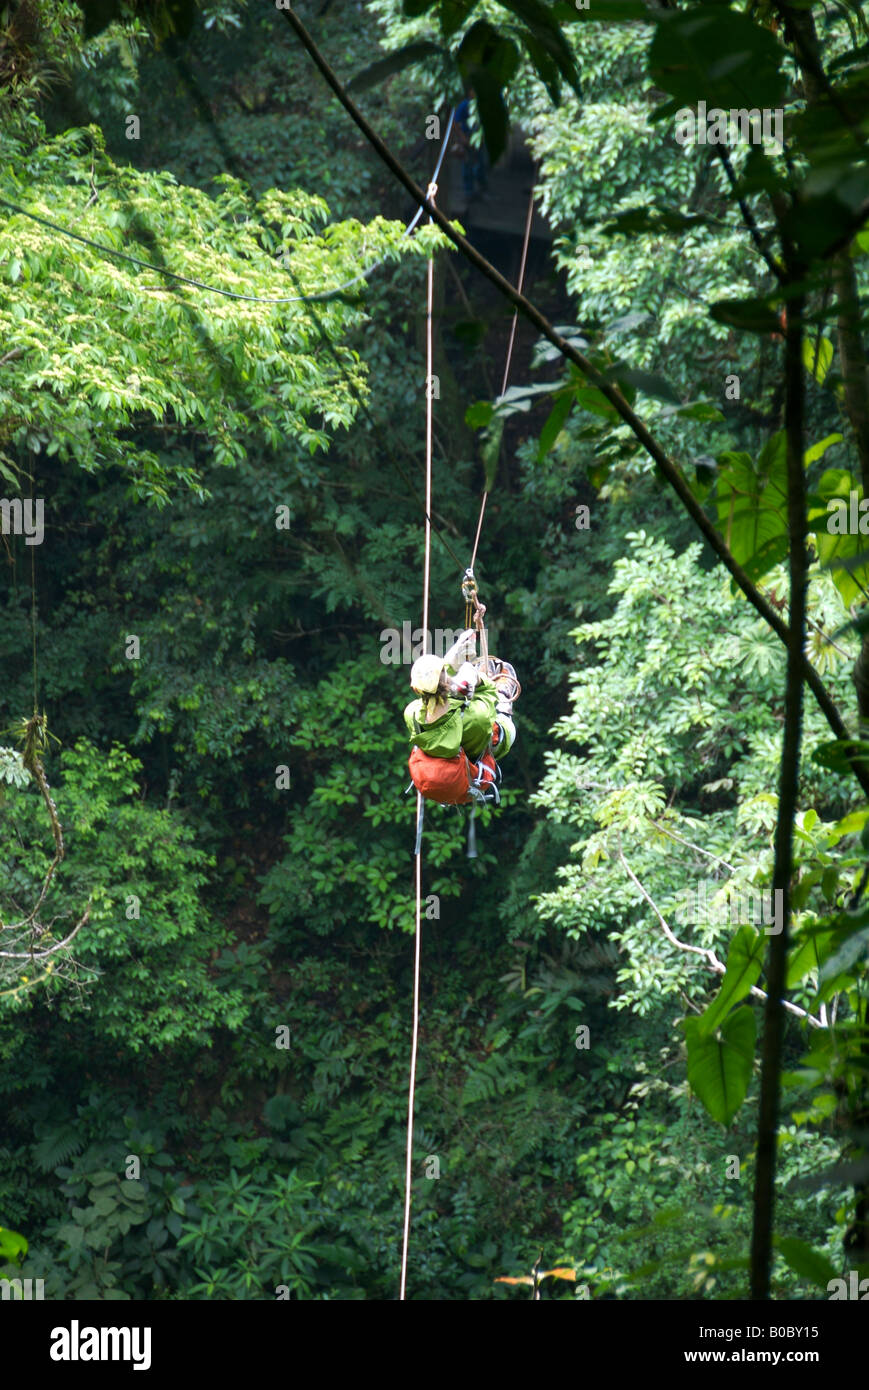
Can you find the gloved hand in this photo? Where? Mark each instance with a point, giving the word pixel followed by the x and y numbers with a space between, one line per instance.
pixel 466 646
pixel 466 679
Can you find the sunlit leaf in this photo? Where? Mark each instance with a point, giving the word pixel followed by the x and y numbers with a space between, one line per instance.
pixel 720 1065
pixel 744 963
pixel 805 1261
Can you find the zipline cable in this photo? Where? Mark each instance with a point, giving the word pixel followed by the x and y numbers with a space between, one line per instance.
pixel 429 363
pixel 319 297
pixel 33 602
pixel 173 274
pixel 528 220
pixel 430 196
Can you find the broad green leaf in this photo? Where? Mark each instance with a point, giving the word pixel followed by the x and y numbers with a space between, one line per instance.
pixel 491 450
pixel 750 315
pixel 453 14
pixel 650 220
pixel 817 451
pixel 744 963
pixel 520 397
pixel 699 410
pixel 547 68
pixel 803 1260
pixel 487 61
pixel 626 323
pixel 717 56
pixel 595 402
pixel 650 383
pixel 803 958
pixel 825 212
pixel 394 62
pixel 544 28
pixel 492 108
pixel 752 505
pixel 478 415
pixel 554 424
pixel 719 1067
pixel 838 754
pixel 841 550
pixel 13 1247
pixel 8 475
pixel 855 821
pixel 818 364
pixel 840 966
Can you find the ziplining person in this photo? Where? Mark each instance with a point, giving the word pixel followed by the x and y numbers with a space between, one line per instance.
pixel 461 723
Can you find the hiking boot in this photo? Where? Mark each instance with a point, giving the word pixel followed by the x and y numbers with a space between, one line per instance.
pixel 508 688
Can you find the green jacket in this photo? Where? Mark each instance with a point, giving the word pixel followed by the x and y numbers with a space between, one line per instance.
pixel 454 730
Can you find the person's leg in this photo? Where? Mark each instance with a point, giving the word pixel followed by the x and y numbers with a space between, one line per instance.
pixel 507 736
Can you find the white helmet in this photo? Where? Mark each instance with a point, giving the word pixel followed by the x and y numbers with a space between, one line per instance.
pixel 425 673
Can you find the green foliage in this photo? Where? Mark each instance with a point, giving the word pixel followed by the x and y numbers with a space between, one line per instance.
pixel 668 792
pixel 211 370
pixel 143 970
pixel 486 53
pixel 276 1169
pixel 13 1247
pixel 253 1239
pixel 717 56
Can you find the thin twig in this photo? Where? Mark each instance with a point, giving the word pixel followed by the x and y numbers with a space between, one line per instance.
pixel 774 266
pixel 707 953
pixel 53 950
pixel 716 858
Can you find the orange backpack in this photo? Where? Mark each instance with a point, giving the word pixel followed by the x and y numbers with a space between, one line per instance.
pixel 455 781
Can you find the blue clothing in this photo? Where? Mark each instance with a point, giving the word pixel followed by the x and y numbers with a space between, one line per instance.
pixel 474 157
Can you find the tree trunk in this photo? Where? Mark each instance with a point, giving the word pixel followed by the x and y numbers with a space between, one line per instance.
pixel 774 1014
pixel 855 374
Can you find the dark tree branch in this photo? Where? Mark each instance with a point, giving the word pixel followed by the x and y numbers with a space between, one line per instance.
pixel 774 266
pixel 800 29
pixel 856 377
pixel 770 1085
